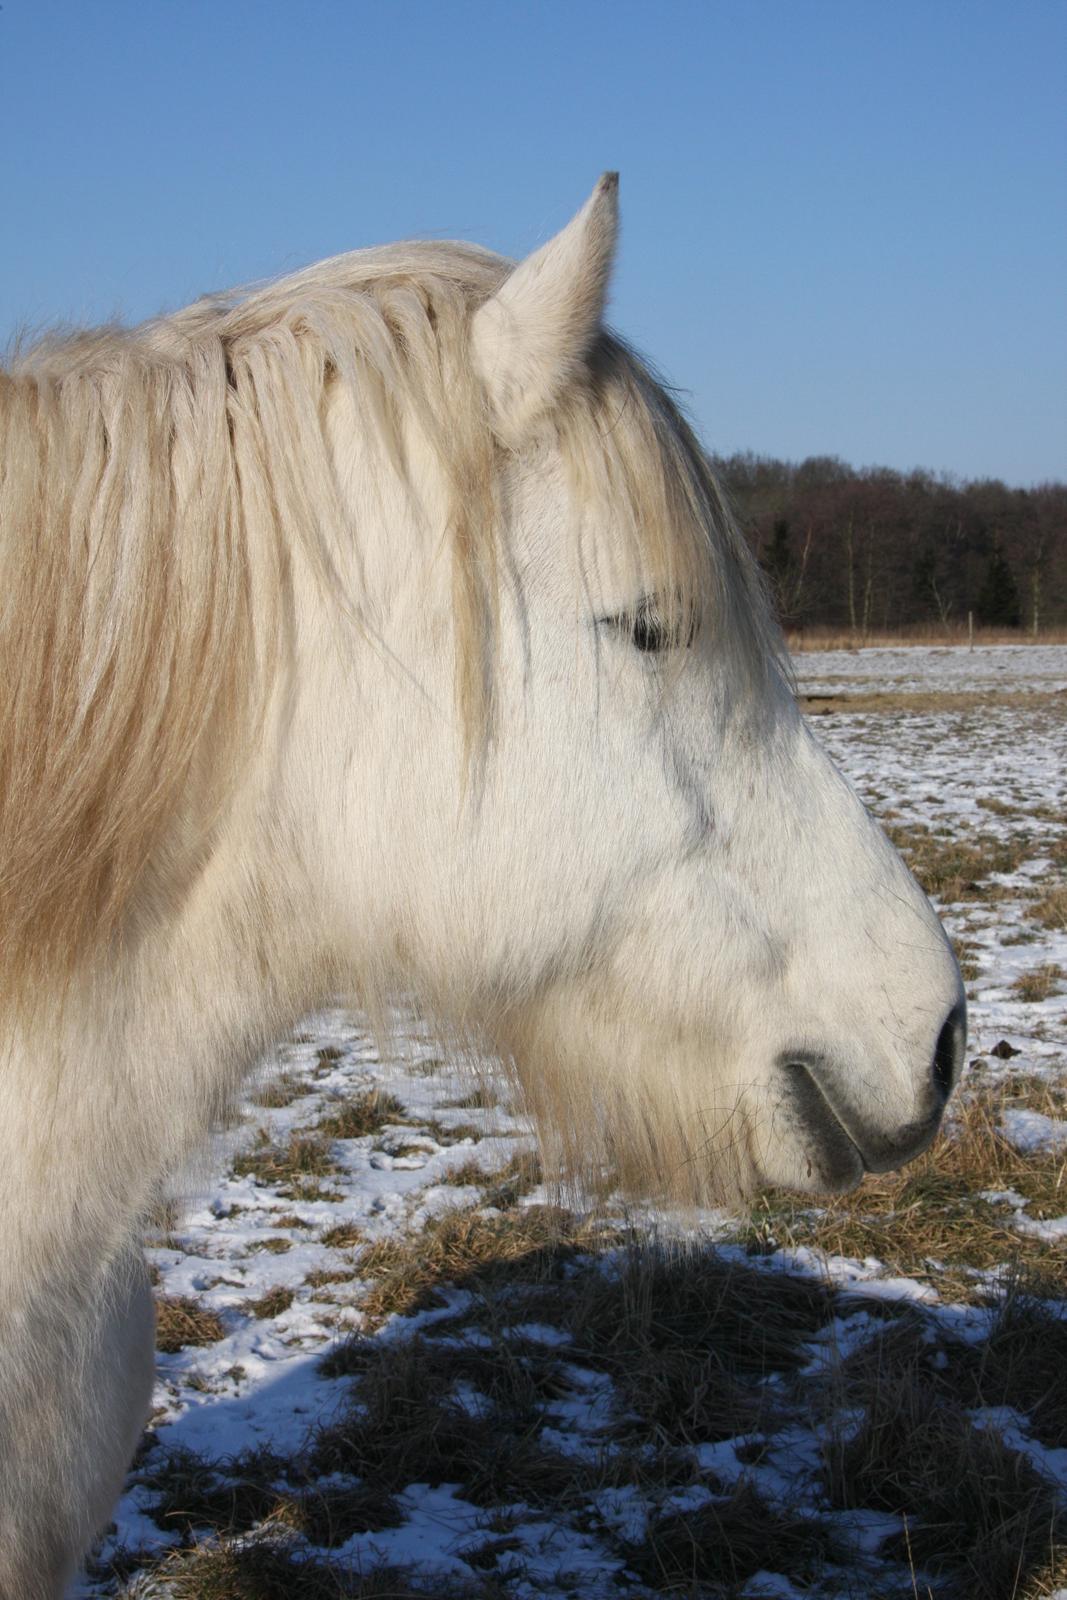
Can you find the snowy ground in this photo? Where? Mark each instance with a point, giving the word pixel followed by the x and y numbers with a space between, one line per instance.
pixel 278 1262
pixel 991 772
pixel 910 668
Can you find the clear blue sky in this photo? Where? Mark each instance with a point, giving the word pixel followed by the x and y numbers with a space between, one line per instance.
pixel 845 221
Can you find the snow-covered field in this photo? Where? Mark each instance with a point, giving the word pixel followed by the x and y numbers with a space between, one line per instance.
pixel 1019 668
pixel 300 1230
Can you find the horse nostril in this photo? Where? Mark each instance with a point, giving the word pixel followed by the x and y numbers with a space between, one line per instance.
pixel 948 1056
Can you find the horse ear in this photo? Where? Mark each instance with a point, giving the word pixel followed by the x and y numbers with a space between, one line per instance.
pixel 531 338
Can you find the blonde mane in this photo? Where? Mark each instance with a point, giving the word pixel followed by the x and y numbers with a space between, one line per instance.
pixel 152 483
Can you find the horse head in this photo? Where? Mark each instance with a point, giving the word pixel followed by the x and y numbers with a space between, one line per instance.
pixel 581 810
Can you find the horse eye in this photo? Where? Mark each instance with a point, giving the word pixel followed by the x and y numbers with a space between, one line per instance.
pixel 648 630
pixel 650 633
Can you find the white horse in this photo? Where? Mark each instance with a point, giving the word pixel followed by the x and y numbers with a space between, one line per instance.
pixel 385 628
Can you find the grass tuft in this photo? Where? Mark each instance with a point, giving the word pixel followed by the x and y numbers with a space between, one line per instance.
pixel 955 868
pixel 471 1249
pixel 1022 1362
pixel 279 1571
pixel 728 1541
pixel 504 1186
pixel 1040 983
pixel 226 1497
pixel 978 1514
pixel 418 1417
pixel 364 1114
pixel 1051 910
pixel 689 1338
pixel 292 1168
pixel 181 1320
pixel 343 1236
pixel 279 1091
pixel 932 1220
pixel 272 1303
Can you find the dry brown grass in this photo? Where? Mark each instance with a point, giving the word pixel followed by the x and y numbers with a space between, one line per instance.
pixel 292 1168
pixel 270 1304
pixel 1019 1363
pixel 997 807
pixel 483 1097
pixel 952 636
pixel 726 1542
pixel 956 868
pixel 1039 984
pixel 690 1340
pixel 1023 1360
pixel 504 1186
pixel 930 1221
pixel 967 953
pixel 280 1571
pixel 979 1515
pixel 411 1421
pixel 453 1133
pixel 232 1496
pixel 1032 1090
pixel 321 1277
pixel 686 1336
pixel 194 1493
pixel 182 1320
pixel 343 1236
pixel 919 702
pixel 694 1345
pixel 279 1091
pixel 362 1115
pixel 1050 1579
pixel 468 1247
pixel 1051 910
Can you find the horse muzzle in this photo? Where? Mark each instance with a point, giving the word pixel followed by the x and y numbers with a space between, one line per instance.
pixel 848 1140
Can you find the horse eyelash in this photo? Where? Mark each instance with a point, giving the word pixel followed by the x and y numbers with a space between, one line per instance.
pixel 648 630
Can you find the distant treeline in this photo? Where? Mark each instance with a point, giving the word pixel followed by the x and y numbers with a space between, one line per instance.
pixel 874 550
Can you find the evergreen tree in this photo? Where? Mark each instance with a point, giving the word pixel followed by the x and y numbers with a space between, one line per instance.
pixel 924 584
pixel 779 564
pixel 998 598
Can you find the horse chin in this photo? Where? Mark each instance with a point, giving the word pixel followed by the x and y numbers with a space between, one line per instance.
pixel 810 1166
pixel 816 1156
pixel 830 1168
